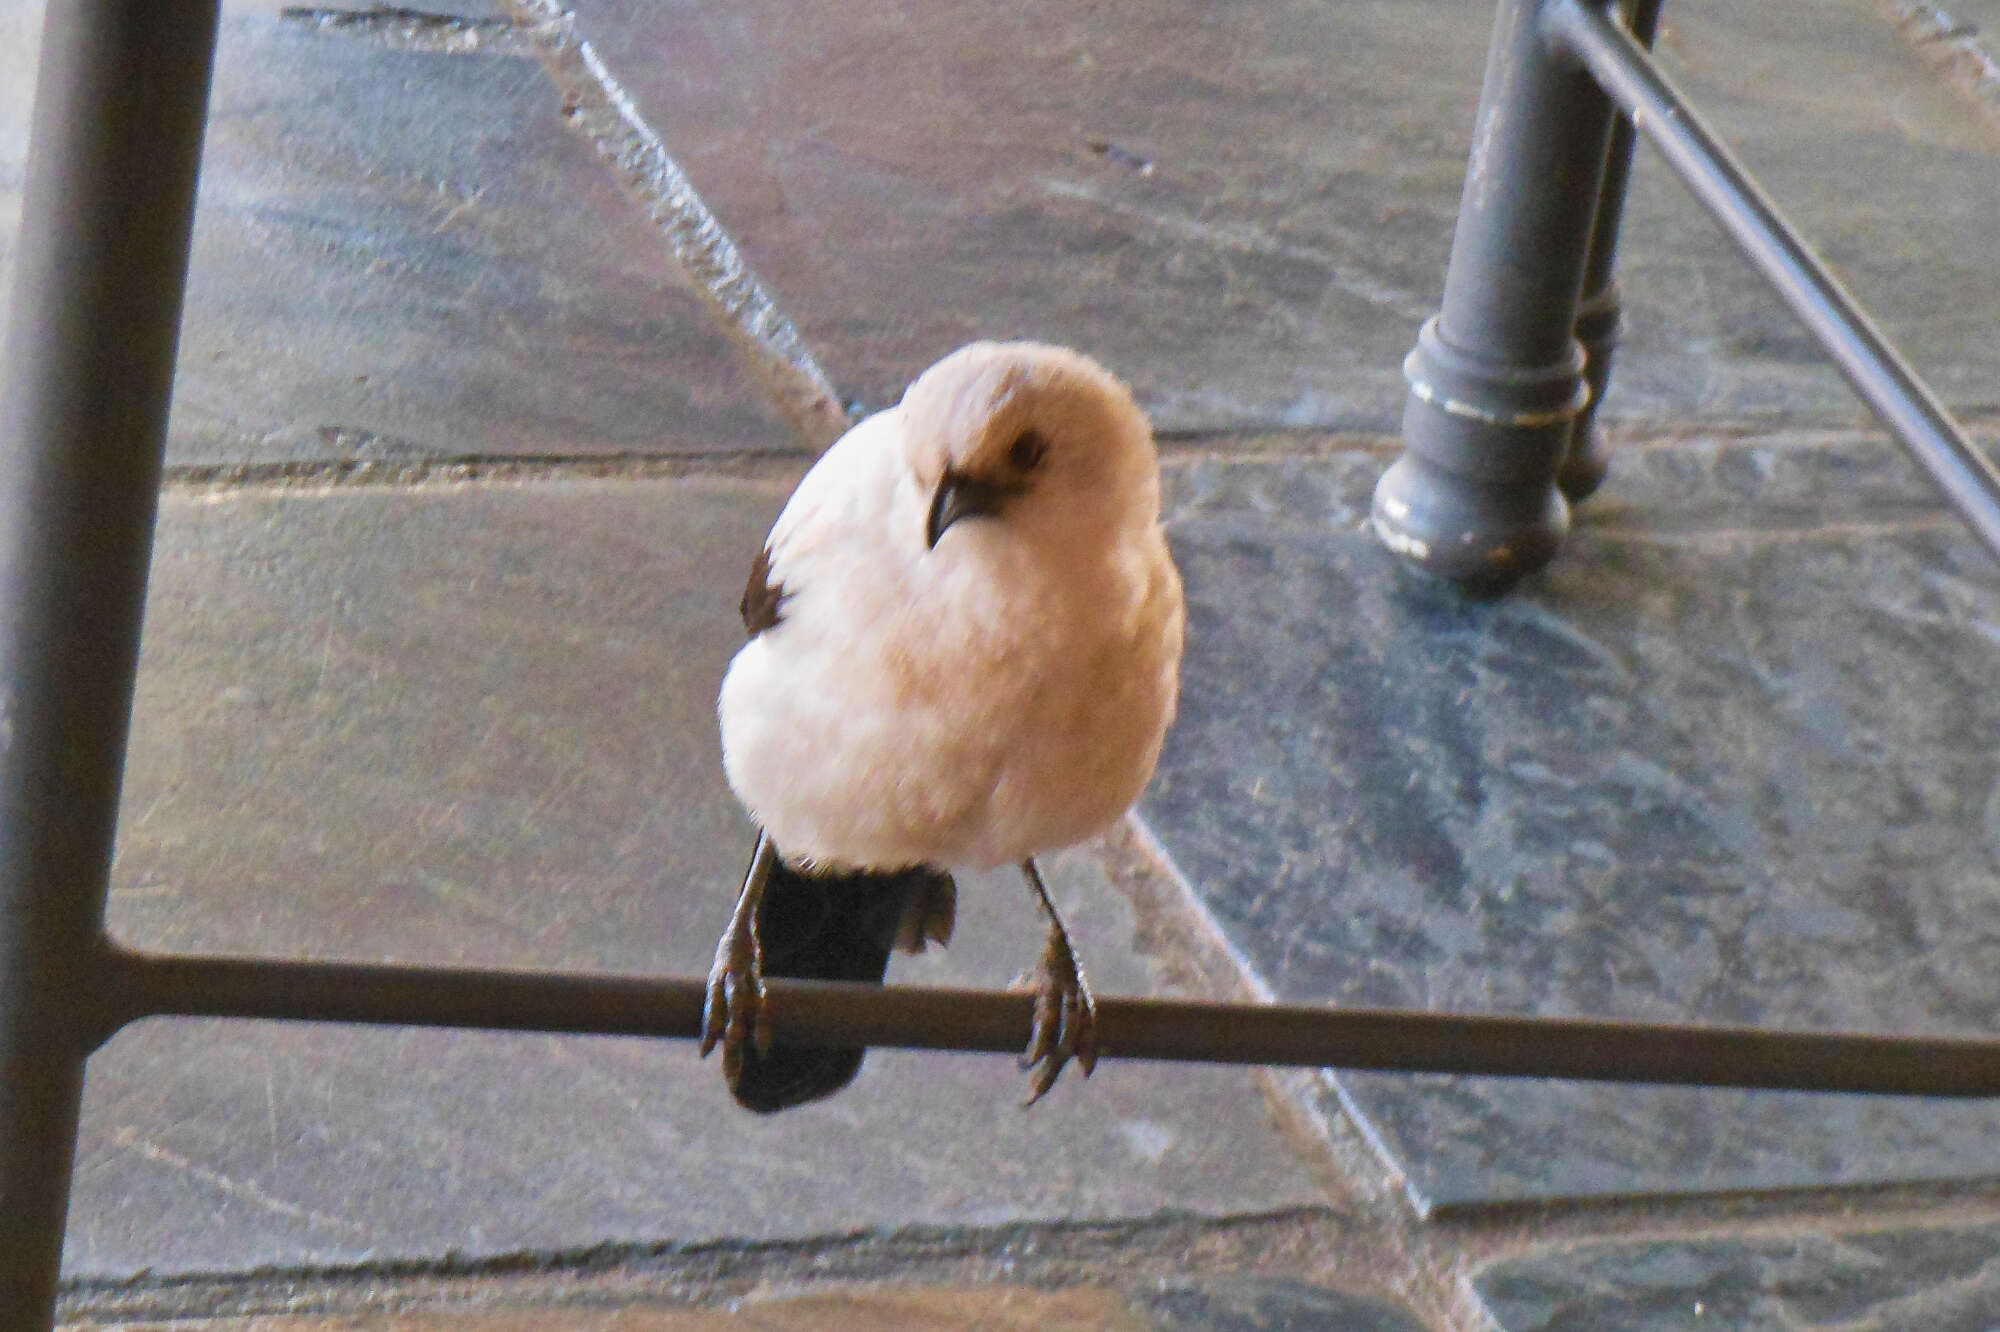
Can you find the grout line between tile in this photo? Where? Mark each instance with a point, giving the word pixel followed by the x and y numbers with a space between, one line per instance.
pixel 1958 49
pixel 476 469
pixel 412 29
pixel 597 106
pixel 708 1274
pixel 1248 447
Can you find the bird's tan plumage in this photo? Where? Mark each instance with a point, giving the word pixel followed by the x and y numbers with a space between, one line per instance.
pixel 1000 696
pixel 966 639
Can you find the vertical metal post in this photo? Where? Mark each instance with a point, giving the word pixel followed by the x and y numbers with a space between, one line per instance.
pixel 1597 315
pixel 1497 377
pixel 89 357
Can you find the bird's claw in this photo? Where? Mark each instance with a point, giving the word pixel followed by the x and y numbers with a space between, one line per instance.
pixel 733 1009
pixel 1065 1020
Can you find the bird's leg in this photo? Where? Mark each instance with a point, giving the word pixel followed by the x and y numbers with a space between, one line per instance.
pixel 1065 1023
pixel 734 1006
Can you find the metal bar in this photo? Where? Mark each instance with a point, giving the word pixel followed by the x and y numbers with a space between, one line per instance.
pixel 1597 315
pixel 819 1012
pixel 1597 273
pixel 1497 377
pixel 1628 73
pixel 91 331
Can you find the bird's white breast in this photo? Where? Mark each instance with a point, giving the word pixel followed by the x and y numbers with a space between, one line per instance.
pixel 966 706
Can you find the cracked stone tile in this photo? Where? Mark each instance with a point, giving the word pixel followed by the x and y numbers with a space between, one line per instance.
pixel 1230 208
pixel 474 725
pixel 1732 759
pixel 404 253
pixel 1247 210
pixel 1266 1304
pixel 1911 1279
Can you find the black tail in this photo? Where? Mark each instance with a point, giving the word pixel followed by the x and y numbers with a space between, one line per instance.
pixel 843 927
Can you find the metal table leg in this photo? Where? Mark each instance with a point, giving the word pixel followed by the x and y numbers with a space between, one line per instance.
pixel 89 357
pixel 1501 390
pixel 1872 366
pixel 1497 378
pixel 1597 316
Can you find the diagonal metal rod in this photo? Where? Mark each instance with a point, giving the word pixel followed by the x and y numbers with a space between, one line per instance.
pixel 810 1012
pixel 1892 390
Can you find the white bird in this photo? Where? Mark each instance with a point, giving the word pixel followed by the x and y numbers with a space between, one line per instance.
pixel 965 649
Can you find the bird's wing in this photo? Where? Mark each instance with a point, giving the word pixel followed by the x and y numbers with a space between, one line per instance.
pixel 838 525
pixel 834 927
pixel 839 494
pixel 763 596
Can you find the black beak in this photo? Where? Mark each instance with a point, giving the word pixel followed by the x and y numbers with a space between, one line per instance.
pixel 960 496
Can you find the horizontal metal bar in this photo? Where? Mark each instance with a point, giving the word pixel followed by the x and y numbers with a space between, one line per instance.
pixel 1632 79
pixel 804 1012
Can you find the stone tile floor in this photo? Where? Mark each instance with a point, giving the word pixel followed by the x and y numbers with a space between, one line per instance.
pixel 478 415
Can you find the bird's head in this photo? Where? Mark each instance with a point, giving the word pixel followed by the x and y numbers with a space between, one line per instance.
pixel 1035 437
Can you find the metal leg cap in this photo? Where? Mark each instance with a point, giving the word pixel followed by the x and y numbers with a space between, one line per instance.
pixel 1483 537
pixel 1586 464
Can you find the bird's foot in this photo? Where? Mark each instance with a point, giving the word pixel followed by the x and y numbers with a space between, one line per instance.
pixel 733 1010
pixel 1065 1021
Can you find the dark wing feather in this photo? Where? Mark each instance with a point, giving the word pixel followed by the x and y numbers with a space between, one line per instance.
pixel 761 596
pixel 838 927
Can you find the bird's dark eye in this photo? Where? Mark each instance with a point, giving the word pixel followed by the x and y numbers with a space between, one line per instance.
pixel 1025 453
